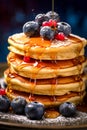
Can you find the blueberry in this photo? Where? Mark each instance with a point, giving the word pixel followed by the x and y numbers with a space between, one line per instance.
pixel 64 27
pixel 47 33
pixel 4 103
pixel 31 28
pixel 34 110
pixel 53 15
pixel 40 18
pixel 67 109
pixel 3 84
pixel 18 105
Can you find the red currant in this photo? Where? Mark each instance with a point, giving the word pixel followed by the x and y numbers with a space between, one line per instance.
pixel 52 23
pixel 2 91
pixel 60 36
pixel 45 23
pixel 26 59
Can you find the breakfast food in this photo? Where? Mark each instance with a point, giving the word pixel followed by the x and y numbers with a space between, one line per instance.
pixel 46 63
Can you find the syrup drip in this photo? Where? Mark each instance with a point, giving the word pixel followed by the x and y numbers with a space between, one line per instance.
pixel 9 83
pixel 52 5
pixel 31 97
pixel 53 87
pixel 33 86
pixel 37 66
pixel 51 113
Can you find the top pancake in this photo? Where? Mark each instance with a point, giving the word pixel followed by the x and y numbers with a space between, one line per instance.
pixel 38 48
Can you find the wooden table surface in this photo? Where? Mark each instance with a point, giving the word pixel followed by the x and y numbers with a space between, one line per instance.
pixel 3 67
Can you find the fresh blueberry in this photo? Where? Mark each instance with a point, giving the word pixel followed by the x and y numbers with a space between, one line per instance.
pixel 64 27
pixel 40 18
pixel 53 15
pixel 31 28
pixel 18 105
pixel 4 103
pixel 3 84
pixel 34 110
pixel 67 109
pixel 47 33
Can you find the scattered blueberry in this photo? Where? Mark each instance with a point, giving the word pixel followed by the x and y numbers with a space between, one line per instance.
pixel 64 27
pixel 47 33
pixel 4 103
pixel 31 28
pixel 53 15
pixel 18 105
pixel 40 18
pixel 3 84
pixel 67 109
pixel 34 110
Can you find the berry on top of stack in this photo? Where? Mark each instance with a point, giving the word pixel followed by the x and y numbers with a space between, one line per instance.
pixel 46 62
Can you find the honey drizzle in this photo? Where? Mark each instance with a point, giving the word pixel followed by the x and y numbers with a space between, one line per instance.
pixel 36 42
pixel 9 76
pixel 37 66
pixel 51 113
pixel 53 6
pixel 32 87
pixel 53 86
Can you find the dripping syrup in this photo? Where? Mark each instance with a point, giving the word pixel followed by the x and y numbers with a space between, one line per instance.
pixel 51 113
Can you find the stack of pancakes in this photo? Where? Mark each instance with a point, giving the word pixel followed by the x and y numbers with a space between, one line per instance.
pixel 53 73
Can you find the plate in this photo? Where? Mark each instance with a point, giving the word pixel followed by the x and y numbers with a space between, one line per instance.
pixel 18 122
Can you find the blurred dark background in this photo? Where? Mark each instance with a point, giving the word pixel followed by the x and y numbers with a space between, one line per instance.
pixel 14 13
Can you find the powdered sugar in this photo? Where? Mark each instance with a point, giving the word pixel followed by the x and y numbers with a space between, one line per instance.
pixel 79 119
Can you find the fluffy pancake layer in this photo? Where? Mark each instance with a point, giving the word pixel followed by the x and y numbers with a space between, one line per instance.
pixel 38 48
pixel 37 69
pixel 56 86
pixel 48 101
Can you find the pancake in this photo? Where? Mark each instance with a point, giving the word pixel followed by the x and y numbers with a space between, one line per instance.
pixel 58 86
pixel 37 69
pixel 48 101
pixel 46 64
pixel 38 48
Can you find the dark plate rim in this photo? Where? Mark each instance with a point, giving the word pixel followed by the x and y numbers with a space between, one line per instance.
pixel 35 126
